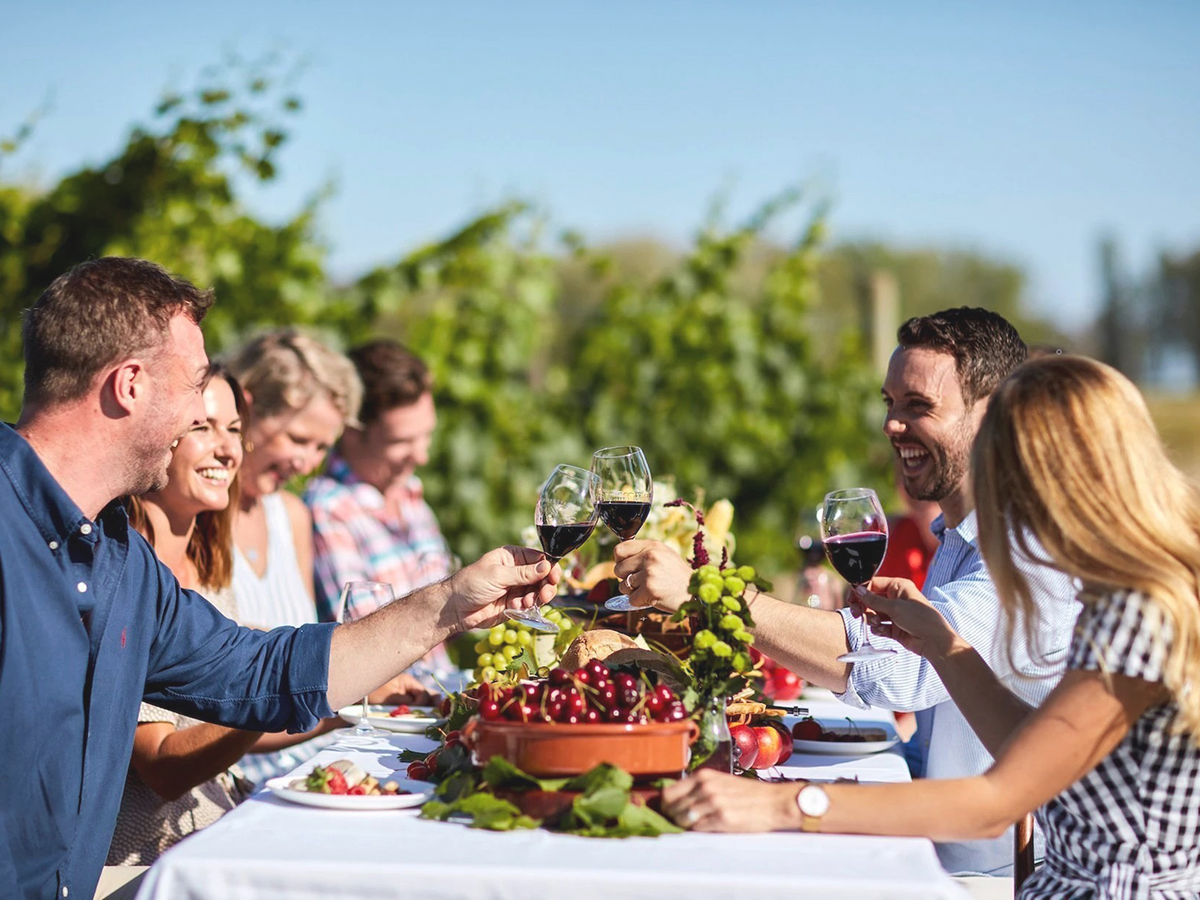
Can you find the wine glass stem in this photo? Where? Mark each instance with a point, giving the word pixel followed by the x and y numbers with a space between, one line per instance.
pixel 364 724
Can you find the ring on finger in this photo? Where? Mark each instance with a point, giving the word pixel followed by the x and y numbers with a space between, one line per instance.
pixel 629 582
pixel 690 816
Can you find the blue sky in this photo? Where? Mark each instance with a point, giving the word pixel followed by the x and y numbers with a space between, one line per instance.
pixel 1020 129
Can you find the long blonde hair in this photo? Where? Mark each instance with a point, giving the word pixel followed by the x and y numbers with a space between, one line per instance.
pixel 1068 453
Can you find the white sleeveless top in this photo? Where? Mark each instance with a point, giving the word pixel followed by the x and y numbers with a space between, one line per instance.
pixel 280 597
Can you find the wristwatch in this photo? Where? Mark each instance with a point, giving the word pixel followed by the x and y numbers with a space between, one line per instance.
pixel 813 803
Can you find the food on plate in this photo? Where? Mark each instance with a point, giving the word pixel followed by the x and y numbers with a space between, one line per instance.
pixel 809 729
pixel 343 776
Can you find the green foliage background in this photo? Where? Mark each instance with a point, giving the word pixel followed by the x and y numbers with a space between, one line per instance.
pixel 542 348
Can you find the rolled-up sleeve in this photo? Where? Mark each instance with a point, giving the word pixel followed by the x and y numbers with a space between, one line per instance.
pixel 207 666
pixel 970 606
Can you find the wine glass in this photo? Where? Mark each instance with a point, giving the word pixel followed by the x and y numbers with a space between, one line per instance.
pixel 854 530
pixel 626 490
pixel 359 599
pixel 565 516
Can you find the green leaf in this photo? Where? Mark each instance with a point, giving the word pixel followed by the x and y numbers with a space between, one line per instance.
pixel 500 774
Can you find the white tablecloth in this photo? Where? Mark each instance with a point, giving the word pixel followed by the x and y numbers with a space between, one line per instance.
pixel 267 848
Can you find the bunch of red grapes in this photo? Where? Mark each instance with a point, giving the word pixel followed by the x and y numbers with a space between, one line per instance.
pixel 593 694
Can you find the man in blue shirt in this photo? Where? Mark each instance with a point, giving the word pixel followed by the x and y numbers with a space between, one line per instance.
pixel 91 624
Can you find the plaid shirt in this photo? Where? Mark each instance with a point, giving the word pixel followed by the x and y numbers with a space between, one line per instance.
pixel 359 534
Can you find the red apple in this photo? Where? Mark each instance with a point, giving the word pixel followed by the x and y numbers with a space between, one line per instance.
pixel 785 741
pixel 770 746
pixel 808 729
pixel 786 684
pixel 746 743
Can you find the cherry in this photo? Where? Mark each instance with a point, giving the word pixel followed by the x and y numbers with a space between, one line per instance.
pixel 453 739
pixel 607 698
pixel 624 681
pixel 576 705
pixel 418 771
pixel 556 709
pixel 665 693
pixel 655 705
pixel 600 682
pixel 629 697
pixel 597 668
pixel 558 676
pixel 615 714
pixel 808 729
pixel 490 710
pixel 675 713
pixel 593 717
pixel 582 676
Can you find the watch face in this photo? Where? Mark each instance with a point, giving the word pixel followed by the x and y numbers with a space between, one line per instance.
pixel 813 801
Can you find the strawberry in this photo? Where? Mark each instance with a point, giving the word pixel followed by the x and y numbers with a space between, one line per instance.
pixel 401 710
pixel 326 780
pixel 357 791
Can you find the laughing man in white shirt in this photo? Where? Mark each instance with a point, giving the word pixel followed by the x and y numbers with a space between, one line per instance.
pixel 936 391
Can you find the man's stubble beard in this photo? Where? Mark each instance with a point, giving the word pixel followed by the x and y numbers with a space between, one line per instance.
pixel 950 466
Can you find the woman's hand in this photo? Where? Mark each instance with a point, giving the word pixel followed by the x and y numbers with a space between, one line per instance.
pixel 896 609
pixel 405 688
pixel 712 801
pixel 652 574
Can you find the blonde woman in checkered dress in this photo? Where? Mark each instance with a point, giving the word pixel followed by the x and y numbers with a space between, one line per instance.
pixel 1066 456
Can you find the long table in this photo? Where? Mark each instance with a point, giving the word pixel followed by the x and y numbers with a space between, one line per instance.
pixel 268 848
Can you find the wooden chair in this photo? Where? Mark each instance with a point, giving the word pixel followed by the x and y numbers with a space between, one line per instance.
pixel 1022 852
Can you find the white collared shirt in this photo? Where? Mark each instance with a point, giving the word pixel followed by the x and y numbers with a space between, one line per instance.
pixel 959 586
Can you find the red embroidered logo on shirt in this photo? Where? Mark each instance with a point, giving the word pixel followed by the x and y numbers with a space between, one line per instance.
pixel 122 637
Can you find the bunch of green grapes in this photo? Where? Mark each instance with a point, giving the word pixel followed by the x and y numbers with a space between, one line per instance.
pixel 505 642
pixel 721 645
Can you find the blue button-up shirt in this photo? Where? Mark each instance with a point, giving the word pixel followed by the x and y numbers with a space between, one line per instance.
pixel 91 624
pixel 945 746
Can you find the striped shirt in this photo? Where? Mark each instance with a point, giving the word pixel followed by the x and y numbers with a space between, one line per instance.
pixel 359 534
pixel 946 746
pixel 1130 828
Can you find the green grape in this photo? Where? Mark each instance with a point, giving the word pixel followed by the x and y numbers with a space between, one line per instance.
pixel 498 629
pixel 489 673
pixel 482 646
pixel 734 585
pixel 485 659
pixel 495 638
pixel 478 675
pixel 746 573
pixel 553 615
pixel 499 662
pixel 510 636
pixel 524 638
pixel 511 652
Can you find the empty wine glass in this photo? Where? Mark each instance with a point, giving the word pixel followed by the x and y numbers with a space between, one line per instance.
pixel 565 516
pixel 359 599
pixel 854 530
pixel 626 490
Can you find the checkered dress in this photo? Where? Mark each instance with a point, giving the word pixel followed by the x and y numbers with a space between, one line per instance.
pixel 1130 828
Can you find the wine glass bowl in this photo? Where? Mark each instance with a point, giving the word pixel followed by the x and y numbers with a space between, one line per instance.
pixel 565 516
pixel 855 533
pixel 626 491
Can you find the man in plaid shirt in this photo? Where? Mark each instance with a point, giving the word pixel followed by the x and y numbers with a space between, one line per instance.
pixel 370 518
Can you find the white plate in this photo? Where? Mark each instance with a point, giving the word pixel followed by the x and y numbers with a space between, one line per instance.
pixel 416 723
pixel 844 748
pixel 420 792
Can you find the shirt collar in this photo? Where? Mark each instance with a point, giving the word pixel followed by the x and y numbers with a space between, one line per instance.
pixel 54 513
pixel 339 470
pixel 966 529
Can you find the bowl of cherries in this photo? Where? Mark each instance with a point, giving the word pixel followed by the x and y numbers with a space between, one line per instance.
pixel 571 721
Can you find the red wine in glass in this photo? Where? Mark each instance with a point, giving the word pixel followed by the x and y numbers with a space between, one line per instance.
pixel 559 540
pixel 565 516
pixel 857 556
pixel 624 517
pixel 626 490
pixel 854 531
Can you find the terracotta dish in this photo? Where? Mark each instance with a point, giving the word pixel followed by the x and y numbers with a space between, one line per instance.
pixel 547 750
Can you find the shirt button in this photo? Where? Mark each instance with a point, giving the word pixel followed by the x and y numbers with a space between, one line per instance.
pixel 54 545
pixel 65 891
pixel 81 587
pixel 85 528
